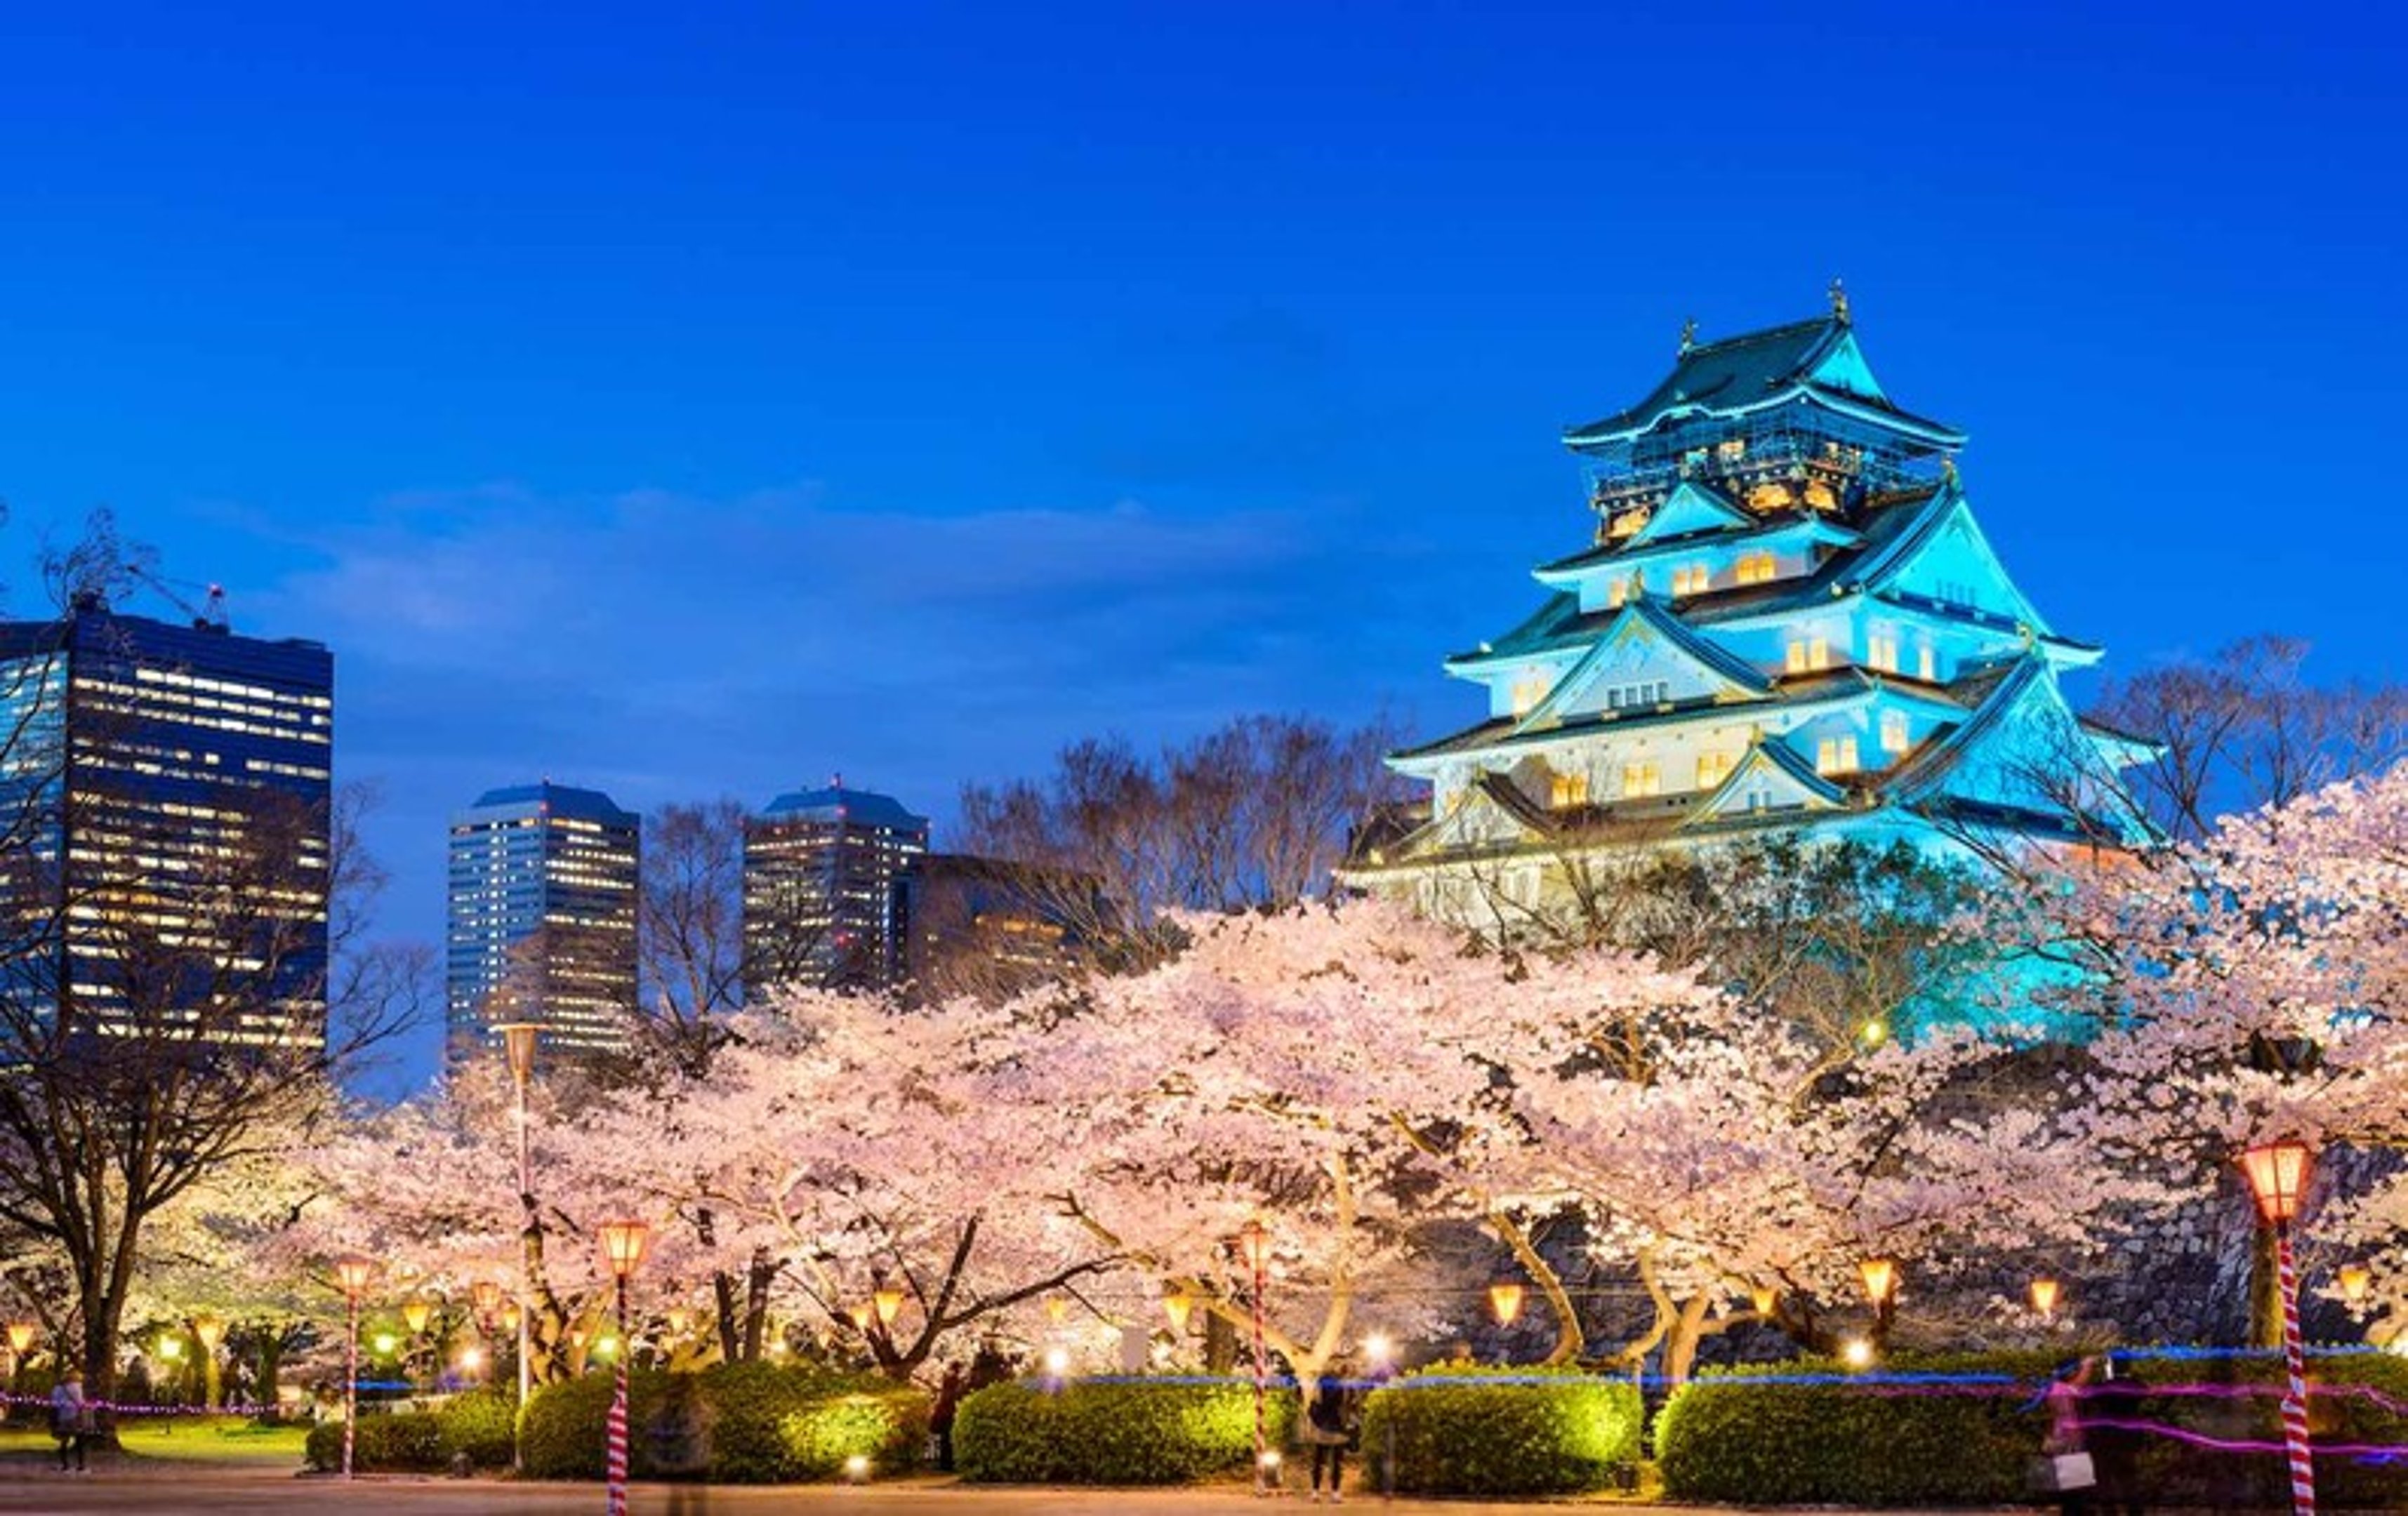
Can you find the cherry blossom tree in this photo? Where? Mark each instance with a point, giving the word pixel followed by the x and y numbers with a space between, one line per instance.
pixel 1330 1073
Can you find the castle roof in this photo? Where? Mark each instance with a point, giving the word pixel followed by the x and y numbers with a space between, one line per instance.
pixel 1816 360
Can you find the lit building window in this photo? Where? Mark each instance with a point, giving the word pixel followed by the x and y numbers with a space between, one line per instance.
pixel 1714 768
pixel 1732 447
pixel 1767 497
pixel 1616 592
pixel 1756 568
pixel 1808 654
pixel 1881 651
pixel 1893 731
pixel 1640 779
pixel 1836 755
pixel 1528 691
pixel 1926 664
pixel 1819 495
pixel 1571 789
pixel 1692 578
pixel 1632 696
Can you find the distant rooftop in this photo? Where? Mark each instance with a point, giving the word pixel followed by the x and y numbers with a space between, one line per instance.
pixel 864 808
pixel 561 800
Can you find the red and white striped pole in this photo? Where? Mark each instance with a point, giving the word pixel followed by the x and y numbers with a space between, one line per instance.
pixel 618 1479
pixel 351 1376
pixel 2295 1384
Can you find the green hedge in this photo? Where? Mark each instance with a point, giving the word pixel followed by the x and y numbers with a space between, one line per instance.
pixel 1456 1430
pixel 1734 1436
pixel 766 1424
pixel 476 1424
pixel 1112 1432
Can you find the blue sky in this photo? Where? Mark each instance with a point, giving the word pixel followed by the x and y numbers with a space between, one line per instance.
pixel 696 403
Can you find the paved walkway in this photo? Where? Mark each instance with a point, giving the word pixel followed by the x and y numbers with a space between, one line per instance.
pixel 161 1489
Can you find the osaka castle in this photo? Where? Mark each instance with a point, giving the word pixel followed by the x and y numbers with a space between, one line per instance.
pixel 1788 617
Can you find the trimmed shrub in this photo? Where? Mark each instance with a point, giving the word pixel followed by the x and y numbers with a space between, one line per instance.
pixel 1891 1438
pixel 1112 1432
pixel 768 1424
pixel 1887 1439
pixel 477 1426
pixel 402 1442
pixel 1457 1430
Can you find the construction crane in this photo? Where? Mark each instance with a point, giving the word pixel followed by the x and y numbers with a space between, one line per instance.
pixel 208 616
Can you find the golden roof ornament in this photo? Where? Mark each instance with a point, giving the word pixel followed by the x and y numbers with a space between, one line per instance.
pixel 1688 334
pixel 1839 301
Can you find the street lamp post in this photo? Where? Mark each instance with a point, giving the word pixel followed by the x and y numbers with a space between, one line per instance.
pixel 518 1044
pixel 1254 1248
pixel 415 1313
pixel 352 1272
pixel 1881 1287
pixel 623 1249
pixel 2278 1173
pixel 209 1331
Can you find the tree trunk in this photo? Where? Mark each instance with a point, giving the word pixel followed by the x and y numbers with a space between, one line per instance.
pixel 1220 1346
pixel 731 1334
pixel 1682 1342
pixel 762 1273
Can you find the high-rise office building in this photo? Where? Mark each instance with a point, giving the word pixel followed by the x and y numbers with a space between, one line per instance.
pixel 824 875
pixel 166 789
pixel 542 918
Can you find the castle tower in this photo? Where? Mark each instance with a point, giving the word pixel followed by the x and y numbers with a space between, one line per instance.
pixel 1788 617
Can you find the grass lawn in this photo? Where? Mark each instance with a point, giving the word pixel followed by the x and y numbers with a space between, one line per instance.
pixel 210 1439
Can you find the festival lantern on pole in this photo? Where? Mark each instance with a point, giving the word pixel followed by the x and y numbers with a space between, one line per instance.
pixel 2278 1176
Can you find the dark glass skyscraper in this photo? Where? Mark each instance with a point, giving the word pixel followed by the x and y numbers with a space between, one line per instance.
pixel 167 796
pixel 823 873
pixel 542 918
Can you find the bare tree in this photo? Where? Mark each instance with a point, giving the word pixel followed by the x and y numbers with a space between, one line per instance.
pixel 2246 729
pixel 1257 812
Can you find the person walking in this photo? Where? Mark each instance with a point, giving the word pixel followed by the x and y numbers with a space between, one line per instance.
pixel 680 1432
pixel 2065 1468
pixel 949 1390
pixel 1324 1428
pixel 71 1420
pixel 2115 1437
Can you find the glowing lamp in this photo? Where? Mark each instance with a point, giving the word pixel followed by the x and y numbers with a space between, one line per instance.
pixel 2043 1295
pixel 471 1359
pixel 1764 1297
pixel 857 1469
pixel 486 1296
pixel 518 1043
pixel 1506 1301
pixel 2278 1173
pixel 1178 1306
pixel 1881 1279
pixel 1377 1348
pixel 1057 1308
pixel 607 1347
pixel 209 1331
pixel 384 1344
pixel 171 1348
pixel 20 1336
pixel 888 1303
pixel 2355 1279
pixel 352 1272
pixel 415 1313
pixel 1269 1459
pixel 1856 1354
pixel 1255 1245
pixel 512 1316
pixel 622 1246
pixel 860 1315
pixel 1057 1362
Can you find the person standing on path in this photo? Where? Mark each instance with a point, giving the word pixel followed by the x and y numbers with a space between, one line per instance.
pixel 1325 1427
pixel 70 1419
pixel 949 1390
